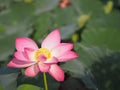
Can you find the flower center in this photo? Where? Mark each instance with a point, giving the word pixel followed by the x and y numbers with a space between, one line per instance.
pixel 43 51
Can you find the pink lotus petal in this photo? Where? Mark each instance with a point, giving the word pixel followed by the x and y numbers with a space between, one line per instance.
pixel 43 67
pixel 56 72
pixel 32 71
pixel 51 61
pixel 20 56
pixel 22 43
pixel 30 54
pixel 19 64
pixel 61 49
pixel 64 3
pixel 52 40
pixel 42 58
pixel 69 55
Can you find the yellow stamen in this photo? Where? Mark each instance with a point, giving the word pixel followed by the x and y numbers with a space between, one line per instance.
pixel 43 51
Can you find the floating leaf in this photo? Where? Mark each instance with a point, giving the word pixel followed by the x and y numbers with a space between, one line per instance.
pixel 102 63
pixel 28 87
pixel 1 88
pixel 78 70
pixel 65 16
pixel 68 30
pixel 38 81
pixel 28 1
pixel 45 5
pixel 8 81
pixel 41 25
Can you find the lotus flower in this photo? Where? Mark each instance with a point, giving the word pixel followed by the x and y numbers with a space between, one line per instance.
pixel 43 59
pixel 64 3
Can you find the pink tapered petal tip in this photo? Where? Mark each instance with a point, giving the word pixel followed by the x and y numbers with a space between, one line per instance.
pixel 69 55
pixel 24 42
pixel 52 40
pixel 61 49
pixel 56 72
pixel 10 64
pixel 13 63
pixel 19 63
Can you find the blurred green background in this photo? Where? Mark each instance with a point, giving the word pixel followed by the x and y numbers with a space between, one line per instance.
pixel 92 25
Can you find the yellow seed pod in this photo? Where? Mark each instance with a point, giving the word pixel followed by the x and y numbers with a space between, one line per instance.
pixel 28 1
pixel 75 37
pixel 82 20
pixel 108 7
